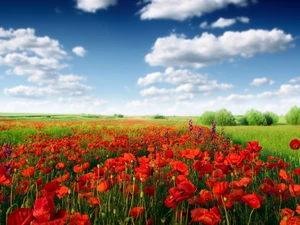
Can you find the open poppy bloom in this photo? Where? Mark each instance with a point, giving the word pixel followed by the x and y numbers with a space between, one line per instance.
pixel 137 212
pixel 295 144
pixel 253 200
pixel 42 213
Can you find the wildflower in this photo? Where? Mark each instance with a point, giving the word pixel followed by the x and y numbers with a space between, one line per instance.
pixel 137 212
pixel 295 144
pixel 253 200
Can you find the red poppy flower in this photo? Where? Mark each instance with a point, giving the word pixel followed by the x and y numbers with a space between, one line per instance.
pixel 20 217
pixel 43 209
pixel 220 188
pixel 137 212
pixel 78 219
pixel 60 165
pixel 253 200
pixel 295 144
pixel 253 146
pixel 287 212
pixel 234 159
pixel 103 186
pixel 4 178
pixel 149 190
pixel 28 172
pixel 62 191
pixel 294 190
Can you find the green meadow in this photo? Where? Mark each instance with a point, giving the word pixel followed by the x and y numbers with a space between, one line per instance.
pixel 275 139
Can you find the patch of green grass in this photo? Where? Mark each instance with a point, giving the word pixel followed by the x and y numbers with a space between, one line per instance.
pixel 274 139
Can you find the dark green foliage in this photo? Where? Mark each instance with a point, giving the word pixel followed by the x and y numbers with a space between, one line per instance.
pixel 243 121
pixel 271 118
pixel 158 117
pixel 293 116
pixel 224 118
pixel 255 117
pixel 118 115
pixel 207 118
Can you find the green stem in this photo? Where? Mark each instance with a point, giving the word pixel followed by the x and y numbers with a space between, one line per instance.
pixel 226 214
pixel 250 216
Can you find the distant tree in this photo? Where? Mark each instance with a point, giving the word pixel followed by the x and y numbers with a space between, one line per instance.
pixel 293 116
pixel 271 118
pixel 158 117
pixel 207 118
pixel 255 117
pixel 243 121
pixel 224 118
pixel 118 115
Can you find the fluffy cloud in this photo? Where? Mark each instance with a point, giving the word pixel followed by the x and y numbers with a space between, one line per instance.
pixel 261 81
pixel 79 51
pixel 208 49
pixel 173 77
pixel 224 22
pixel 181 10
pixel 186 84
pixel 40 59
pixel 243 19
pixel 295 80
pixel 25 40
pixel 28 92
pixel 92 6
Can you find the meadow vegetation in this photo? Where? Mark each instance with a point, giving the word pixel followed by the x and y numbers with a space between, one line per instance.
pixel 57 169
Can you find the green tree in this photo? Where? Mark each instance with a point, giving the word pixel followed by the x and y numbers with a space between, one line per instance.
pixel 255 117
pixel 293 116
pixel 243 121
pixel 271 118
pixel 207 118
pixel 224 118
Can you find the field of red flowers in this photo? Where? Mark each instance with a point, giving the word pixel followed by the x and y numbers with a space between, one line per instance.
pixel 109 173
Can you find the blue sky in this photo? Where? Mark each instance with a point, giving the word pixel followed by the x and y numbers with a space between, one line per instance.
pixel 170 57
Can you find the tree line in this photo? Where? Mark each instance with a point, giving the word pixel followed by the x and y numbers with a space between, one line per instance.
pixel 252 117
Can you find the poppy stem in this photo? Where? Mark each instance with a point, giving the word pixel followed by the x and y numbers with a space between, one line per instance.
pixel 250 216
pixel 226 215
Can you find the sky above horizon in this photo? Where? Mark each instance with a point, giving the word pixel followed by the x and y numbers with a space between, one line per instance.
pixel 146 57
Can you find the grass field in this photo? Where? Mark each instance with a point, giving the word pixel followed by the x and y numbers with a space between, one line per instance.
pixel 274 139
pixel 137 170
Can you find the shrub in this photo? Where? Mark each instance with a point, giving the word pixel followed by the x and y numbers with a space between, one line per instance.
pixel 207 118
pixel 118 115
pixel 224 118
pixel 243 121
pixel 255 117
pixel 293 116
pixel 271 118
pixel 159 117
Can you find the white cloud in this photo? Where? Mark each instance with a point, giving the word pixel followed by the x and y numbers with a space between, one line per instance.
pixel 243 19
pixel 40 59
pixel 187 84
pixel 295 80
pixel 182 10
pixel 204 25
pixel 266 94
pixel 223 22
pixel 25 40
pixel 207 49
pixel 155 91
pixel 172 76
pixel 261 81
pixel 83 100
pixel 28 92
pixel 92 6
pixel 79 51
